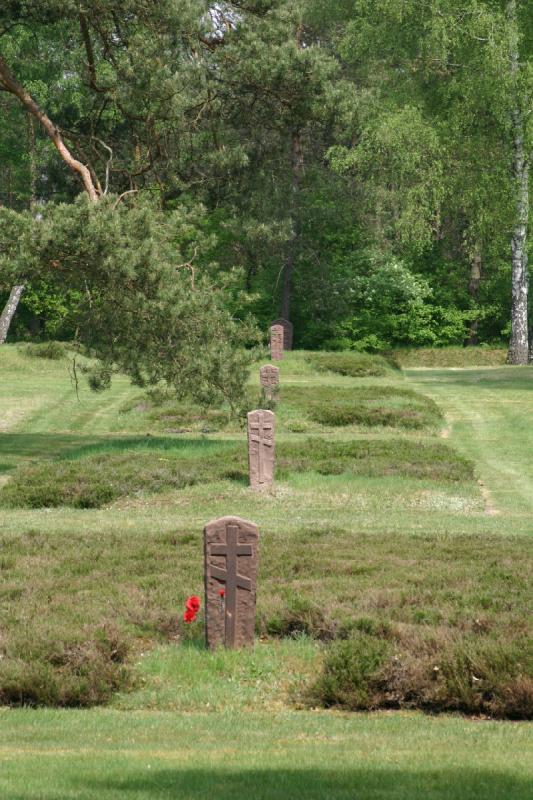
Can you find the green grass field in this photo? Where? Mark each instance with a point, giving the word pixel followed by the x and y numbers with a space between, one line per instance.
pixel 52 755
pixel 414 534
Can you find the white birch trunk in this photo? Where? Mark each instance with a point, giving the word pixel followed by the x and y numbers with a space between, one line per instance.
pixel 9 311
pixel 518 345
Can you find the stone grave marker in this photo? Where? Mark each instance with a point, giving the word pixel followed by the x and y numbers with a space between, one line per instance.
pixel 261 449
pixel 276 342
pixel 230 573
pixel 269 380
pixel 287 331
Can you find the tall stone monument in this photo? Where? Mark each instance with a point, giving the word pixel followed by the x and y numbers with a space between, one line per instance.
pixel 261 449
pixel 276 342
pixel 230 572
pixel 287 332
pixel 269 380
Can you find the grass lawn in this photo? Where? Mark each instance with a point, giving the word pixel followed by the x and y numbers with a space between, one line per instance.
pixel 59 755
pixel 489 417
pixel 392 517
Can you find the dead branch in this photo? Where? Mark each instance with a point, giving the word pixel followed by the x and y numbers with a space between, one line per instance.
pixel 119 198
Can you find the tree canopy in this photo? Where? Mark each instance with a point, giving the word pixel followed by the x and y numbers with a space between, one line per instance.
pixel 360 167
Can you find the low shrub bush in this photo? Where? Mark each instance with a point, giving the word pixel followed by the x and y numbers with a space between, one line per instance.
pixel 54 351
pixel 350 672
pixel 300 615
pixel 82 668
pixel 492 677
pixel 168 415
pixel 435 672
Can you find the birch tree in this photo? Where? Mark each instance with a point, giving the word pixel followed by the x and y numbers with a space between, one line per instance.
pixel 467 67
pixel 521 105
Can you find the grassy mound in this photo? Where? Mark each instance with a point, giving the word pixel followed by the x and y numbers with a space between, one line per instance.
pixel 97 477
pixel 450 356
pixel 356 365
pixel 172 416
pixel 302 406
pixel 368 405
pixel 443 649
pixel 91 481
pixel 375 458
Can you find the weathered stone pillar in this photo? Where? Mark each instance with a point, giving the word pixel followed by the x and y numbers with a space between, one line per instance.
pixel 276 342
pixel 287 332
pixel 269 380
pixel 261 449
pixel 230 571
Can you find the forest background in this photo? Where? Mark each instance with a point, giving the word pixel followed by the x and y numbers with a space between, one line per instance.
pixel 174 174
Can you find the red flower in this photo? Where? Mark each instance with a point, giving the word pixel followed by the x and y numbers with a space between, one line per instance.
pixel 193 604
pixel 222 592
pixel 189 616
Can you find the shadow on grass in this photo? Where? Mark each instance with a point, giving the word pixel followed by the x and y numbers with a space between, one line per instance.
pixel 515 378
pixel 56 445
pixel 293 784
pixel 43 445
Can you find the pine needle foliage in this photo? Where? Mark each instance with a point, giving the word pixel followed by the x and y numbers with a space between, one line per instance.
pixel 144 308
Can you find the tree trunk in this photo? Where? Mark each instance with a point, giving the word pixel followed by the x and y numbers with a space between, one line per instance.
pixel 518 345
pixel 473 291
pixel 297 169
pixel 9 311
pixel 10 84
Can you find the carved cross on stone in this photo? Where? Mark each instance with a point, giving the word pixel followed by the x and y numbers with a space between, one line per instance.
pixel 261 449
pixel 230 548
pixel 269 380
pixel 269 375
pixel 276 342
